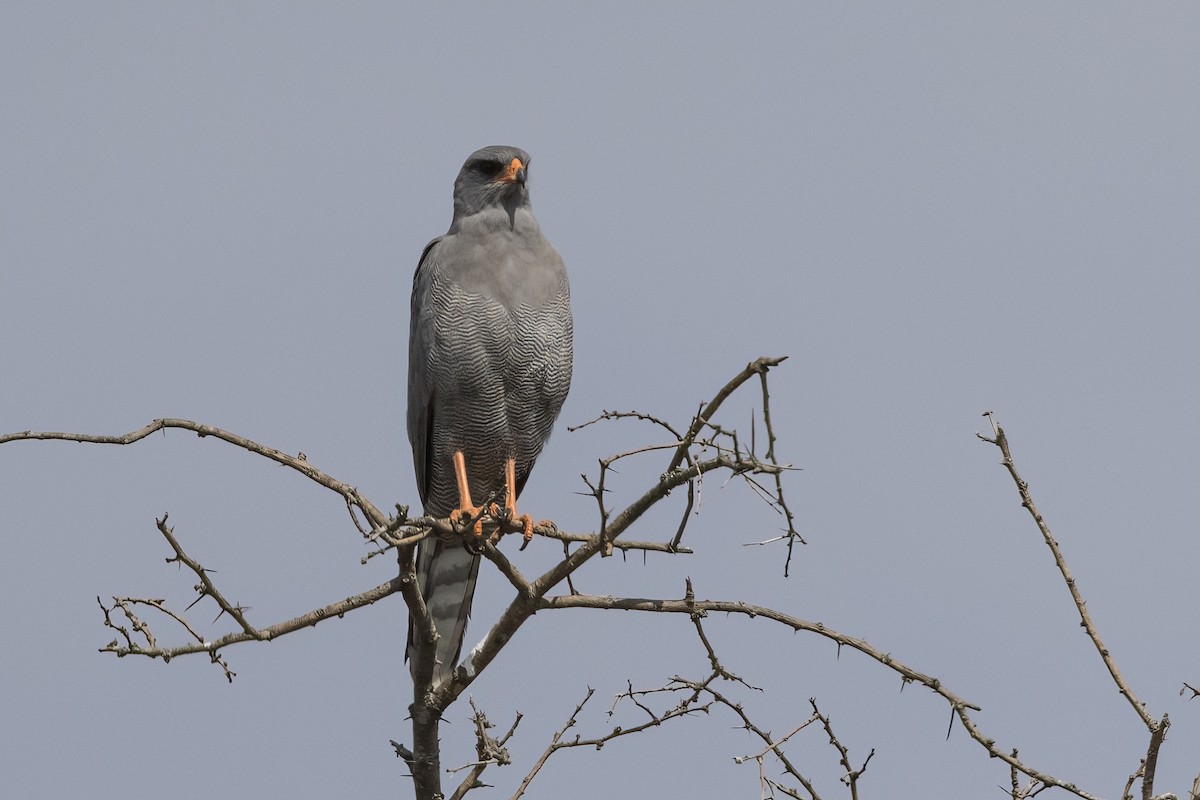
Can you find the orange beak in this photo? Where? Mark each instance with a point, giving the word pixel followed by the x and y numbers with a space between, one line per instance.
pixel 515 171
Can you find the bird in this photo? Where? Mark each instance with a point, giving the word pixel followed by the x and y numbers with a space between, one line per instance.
pixel 489 367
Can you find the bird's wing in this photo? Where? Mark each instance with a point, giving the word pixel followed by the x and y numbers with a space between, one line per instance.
pixel 446 571
pixel 489 367
pixel 420 381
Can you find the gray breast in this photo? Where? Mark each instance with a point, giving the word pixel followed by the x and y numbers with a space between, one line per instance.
pixel 498 358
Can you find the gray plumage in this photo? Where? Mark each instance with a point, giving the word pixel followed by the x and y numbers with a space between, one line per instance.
pixel 489 366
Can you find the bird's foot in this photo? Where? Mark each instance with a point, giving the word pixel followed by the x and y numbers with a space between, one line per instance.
pixel 526 523
pixel 467 513
pixel 511 522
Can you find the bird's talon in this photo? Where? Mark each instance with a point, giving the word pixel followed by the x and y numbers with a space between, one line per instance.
pixel 459 515
pixel 526 530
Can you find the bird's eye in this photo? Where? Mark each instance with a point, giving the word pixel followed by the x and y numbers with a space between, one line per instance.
pixel 487 168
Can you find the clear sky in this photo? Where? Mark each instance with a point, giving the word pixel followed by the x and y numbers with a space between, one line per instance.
pixel 213 211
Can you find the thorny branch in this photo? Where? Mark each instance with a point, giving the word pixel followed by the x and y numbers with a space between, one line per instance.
pixel 690 697
pixel 725 454
pixel 1156 728
pixel 703 448
pixel 852 775
pixel 488 749
pixel 298 463
pixel 206 588
pixel 695 697
pixel 1016 791
pixel 707 435
pixel 721 448
pixel 960 707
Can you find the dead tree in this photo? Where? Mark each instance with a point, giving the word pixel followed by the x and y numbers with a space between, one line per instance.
pixel 703 447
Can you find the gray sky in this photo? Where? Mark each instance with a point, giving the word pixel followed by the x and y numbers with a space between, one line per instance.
pixel 213 211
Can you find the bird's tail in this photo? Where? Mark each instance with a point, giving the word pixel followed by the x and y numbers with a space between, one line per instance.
pixel 446 574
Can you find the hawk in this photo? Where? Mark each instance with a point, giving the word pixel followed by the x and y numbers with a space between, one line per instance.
pixel 489 366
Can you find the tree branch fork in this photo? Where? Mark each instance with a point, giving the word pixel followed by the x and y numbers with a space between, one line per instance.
pixel 703 447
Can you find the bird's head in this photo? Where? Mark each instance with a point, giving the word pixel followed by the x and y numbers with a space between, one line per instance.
pixel 492 177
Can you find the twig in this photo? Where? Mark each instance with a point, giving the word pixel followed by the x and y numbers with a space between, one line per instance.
pixel 489 750
pixel 311 619
pixel 617 415
pixel 792 534
pixel 748 725
pixel 1001 441
pixel 852 775
pixel 553 747
pixel 959 706
pixel 401 533
pixel 757 367
pixel 551 532
pixel 1156 728
pixel 522 607
pixel 1127 792
pixel 298 463
pixel 206 587
pixel 773 743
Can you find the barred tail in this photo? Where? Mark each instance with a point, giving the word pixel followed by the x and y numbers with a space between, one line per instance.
pixel 446 575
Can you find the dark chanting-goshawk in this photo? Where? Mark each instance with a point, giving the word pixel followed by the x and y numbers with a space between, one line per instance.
pixel 489 366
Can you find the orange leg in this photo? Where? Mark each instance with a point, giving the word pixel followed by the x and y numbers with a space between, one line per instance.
pixel 465 508
pixel 510 501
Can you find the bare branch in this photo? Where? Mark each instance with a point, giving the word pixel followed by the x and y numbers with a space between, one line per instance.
pixel 404 583
pixel 757 367
pixel 852 775
pixel 1156 728
pixel 958 705
pixel 1157 733
pixel 1127 792
pixel 206 588
pixel 793 535
pixel 614 415
pixel 298 463
pixel 765 736
pixel 705 447
pixel 773 743
pixel 400 532
pixel 552 532
pixel 699 698
pixel 554 745
pixel 308 620
pixel 1001 441
pixel 488 749
pixel 682 447
pixel 507 569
